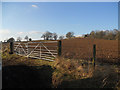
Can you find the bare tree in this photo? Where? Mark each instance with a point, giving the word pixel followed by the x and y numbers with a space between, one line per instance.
pixel 115 31
pixel 26 38
pixel 70 34
pixel 61 37
pixel 55 36
pixel 11 40
pixel 105 34
pixel 86 35
pixel 5 40
pixel 19 39
pixel 92 34
pixel 47 35
pixel 43 36
pixel 30 39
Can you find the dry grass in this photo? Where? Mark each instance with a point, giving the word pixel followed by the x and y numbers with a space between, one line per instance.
pixel 70 74
pixel 69 69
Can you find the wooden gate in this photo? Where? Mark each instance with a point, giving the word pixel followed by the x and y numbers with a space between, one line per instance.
pixel 45 50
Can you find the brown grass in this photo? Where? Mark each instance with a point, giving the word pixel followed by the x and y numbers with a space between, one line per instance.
pixel 69 69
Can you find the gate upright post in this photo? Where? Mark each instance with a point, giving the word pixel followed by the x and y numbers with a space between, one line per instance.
pixel 40 51
pixel 94 54
pixel 27 50
pixel 59 48
pixel 11 47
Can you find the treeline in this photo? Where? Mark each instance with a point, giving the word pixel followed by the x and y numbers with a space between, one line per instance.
pixel 18 39
pixel 46 36
pixel 54 36
pixel 98 34
pixel 49 36
pixel 106 34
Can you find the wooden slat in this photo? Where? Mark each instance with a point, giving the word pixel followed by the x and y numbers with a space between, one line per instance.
pixel 45 42
pixel 42 58
pixel 49 53
pixel 47 59
pixel 46 55
pixel 41 46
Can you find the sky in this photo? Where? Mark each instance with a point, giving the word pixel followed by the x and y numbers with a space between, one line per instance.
pixel 60 0
pixel 35 18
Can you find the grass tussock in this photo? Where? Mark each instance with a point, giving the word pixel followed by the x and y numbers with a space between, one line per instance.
pixel 69 69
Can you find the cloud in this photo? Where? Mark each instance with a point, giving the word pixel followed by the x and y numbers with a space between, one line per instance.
pixel 78 35
pixel 4 31
pixel 4 34
pixel 35 6
pixel 30 32
pixel 35 32
pixel 20 33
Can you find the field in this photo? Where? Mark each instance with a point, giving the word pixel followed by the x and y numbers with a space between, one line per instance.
pixel 72 70
pixel 106 50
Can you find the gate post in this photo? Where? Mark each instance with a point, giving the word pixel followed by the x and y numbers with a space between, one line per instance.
pixel 94 54
pixel 11 47
pixel 59 47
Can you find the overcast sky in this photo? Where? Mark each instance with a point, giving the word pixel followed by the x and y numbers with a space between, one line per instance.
pixel 34 18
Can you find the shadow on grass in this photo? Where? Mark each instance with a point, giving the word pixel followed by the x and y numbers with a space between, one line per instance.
pixel 82 83
pixel 22 76
pixel 93 82
pixel 85 83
